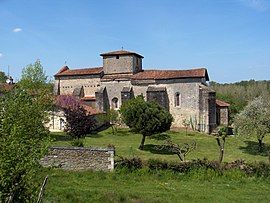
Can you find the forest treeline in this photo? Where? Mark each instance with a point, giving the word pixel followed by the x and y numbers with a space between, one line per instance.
pixel 240 93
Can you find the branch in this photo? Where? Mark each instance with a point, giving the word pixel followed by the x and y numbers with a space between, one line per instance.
pixel 40 195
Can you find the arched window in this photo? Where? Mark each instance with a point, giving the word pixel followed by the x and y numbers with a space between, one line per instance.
pixel 177 99
pixel 115 103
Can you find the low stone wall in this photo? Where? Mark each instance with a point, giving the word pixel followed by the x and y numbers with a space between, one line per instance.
pixel 79 158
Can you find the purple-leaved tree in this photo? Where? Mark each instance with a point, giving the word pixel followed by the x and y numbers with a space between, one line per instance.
pixel 79 122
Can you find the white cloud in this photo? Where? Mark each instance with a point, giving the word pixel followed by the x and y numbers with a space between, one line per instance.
pixel 17 29
pixel 258 5
pixel 1 55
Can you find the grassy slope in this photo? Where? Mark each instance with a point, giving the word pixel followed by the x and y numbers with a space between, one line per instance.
pixel 143 186
pixel 127 143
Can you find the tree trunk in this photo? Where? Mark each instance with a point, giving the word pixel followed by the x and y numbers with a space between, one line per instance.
pixel 142 142
pixel 260 144
pixel 180 157
pixel 221 154
pixel 221 148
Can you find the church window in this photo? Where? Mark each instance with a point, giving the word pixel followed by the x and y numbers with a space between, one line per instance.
pixel 115 103
pixel 177 99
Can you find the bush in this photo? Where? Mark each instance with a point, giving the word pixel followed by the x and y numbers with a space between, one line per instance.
pixel 193 167
pixel 155 164
pixel 131 164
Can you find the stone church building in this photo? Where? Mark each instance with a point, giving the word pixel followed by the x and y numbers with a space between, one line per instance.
pixel 184 93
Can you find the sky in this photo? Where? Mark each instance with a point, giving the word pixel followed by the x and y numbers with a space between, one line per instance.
pixel 231 38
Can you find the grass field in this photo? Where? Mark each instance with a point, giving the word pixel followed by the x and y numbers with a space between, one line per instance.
pixel 156 186
pixel 127 143
pixel 160 186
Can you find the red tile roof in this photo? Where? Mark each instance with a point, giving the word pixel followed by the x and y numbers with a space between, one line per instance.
pixel 89 98
pixel 5 87
pixel 90 110
pixel 171 74
pixel 120 52
pixel 65 71
pixel 222 103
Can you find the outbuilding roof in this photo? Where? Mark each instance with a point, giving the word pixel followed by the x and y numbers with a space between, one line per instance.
pixel 222 103
pixel 171 74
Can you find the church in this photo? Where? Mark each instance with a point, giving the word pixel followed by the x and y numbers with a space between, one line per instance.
pixel 184 93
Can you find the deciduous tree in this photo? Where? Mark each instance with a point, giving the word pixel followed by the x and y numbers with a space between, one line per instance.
pixel 254 120
pixel 3 77
pixel 23 141
pixel 78 122
pixel 147 118
pixel 35 82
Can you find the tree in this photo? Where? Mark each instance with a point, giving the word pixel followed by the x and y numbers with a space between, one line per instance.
pixel 147 118
pixel 35 82
pixel 180 151
pixel 254 119
pixel 222 133
pixel 34 73
pixel 23 141
pixel 3 77
pixel 78 122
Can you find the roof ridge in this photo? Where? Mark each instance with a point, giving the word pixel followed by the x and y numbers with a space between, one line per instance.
pixel 192 69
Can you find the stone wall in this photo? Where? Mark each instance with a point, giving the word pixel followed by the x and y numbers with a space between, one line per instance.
pixel 112 65
pixel 222 115
pixel 90 83
pixel 79 158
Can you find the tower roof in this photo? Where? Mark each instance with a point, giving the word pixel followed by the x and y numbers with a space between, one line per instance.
pixel 121 52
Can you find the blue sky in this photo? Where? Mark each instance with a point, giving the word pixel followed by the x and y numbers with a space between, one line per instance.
pixel 231 38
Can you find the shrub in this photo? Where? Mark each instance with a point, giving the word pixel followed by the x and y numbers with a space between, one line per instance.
pixel 131 164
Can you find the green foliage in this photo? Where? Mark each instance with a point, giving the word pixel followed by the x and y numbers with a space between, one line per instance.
pixel 146 118
pixel 222 133
pixel 130 164
pixel 254 119
pixel 240 93
pixel 34 81
pixel 3 77
pixel 34 73
pixel 250 169
pixel 23 141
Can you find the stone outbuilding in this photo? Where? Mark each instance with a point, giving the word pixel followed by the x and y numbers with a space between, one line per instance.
pixel 222 110
pixel 184 93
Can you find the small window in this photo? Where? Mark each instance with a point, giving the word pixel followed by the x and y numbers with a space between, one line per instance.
pixel 177 99
pixel 117 56
pixel 114 103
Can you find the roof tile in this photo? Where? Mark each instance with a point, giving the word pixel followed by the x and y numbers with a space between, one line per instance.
pixel 171 74
pixel 83 71
pixel 222 103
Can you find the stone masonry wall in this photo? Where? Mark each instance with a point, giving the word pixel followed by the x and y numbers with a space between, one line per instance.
pixel 79 158
pixel 224 116
pixel 111 65
pixel 89 83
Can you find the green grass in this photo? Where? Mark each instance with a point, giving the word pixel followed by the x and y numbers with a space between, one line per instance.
pixel 158 186
pixel 127 143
